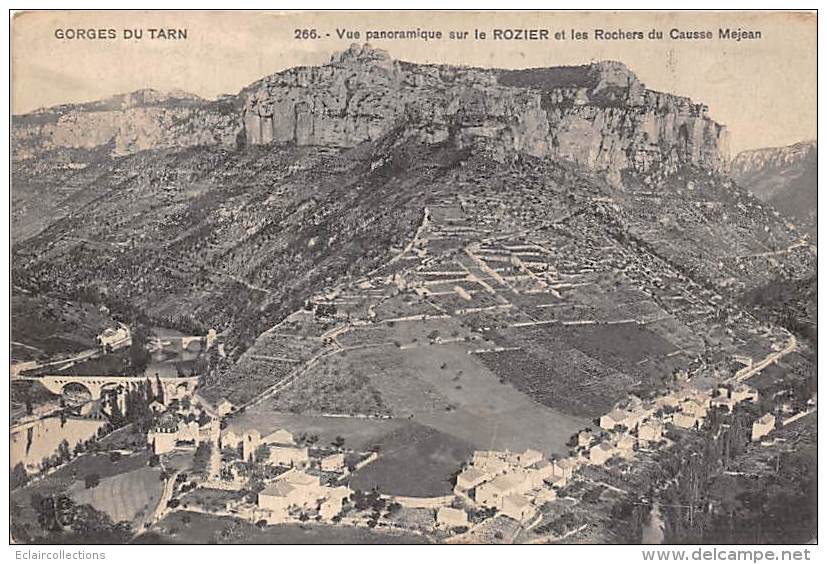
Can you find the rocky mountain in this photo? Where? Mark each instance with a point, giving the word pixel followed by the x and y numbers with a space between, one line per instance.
pixel 126 124
pixel 597 115
pixel 786 177
pixel 232 213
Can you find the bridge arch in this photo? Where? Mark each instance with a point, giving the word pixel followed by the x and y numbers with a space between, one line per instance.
pixel 74 388
pixel 174 387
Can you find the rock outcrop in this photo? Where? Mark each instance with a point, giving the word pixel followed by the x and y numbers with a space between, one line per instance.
pixel 142 120
pixel 598 115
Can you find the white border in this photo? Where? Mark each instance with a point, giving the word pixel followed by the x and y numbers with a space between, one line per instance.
pixel 383 553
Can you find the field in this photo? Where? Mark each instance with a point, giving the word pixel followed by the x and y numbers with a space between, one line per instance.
pixel 359 434
pixel 415 461
pixel 69 477
pixel 422 370
pixel 183 527
pixel 336 388
pixel 124 497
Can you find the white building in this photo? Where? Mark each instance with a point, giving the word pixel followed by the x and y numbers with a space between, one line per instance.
pixel 289 456
pixel 584 439
pixel 563 468
pixel 114 338
pixel 168 432
pixel 650 432
pixel 279 437
pixel 471 477
pixel 686 420
pixel 224 407
pixel 518 507
pixel 626 446
pixel 450 518
pixel 332 503
pixel 333 463
pixel 292 489
pixel 492 494
pixel 529 457
pixel 762 427
pixel 599 454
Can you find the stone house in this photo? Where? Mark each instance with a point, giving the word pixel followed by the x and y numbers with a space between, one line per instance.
pixel 763 426
pixel 333 463
pixel 450 518
pixel 492 494
pixel 471 477
pixel 563 468
pixel 224 407
pixel 288 456
pixel 685 420
pixel 279 437
pixel 599 454
pixel 518 507
pixel 650 432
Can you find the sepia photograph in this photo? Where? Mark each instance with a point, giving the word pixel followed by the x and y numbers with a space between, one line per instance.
pixel 413 277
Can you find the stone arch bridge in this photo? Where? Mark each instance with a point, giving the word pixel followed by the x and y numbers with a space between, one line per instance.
pixel 174 387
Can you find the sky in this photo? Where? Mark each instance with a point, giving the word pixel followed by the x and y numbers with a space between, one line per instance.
pixel 763 90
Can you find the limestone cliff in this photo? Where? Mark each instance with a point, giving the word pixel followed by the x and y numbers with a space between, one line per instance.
pixel 146 119
pixel 598 115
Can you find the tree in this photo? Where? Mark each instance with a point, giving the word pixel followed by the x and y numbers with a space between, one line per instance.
pixel 92 480
pixel 338 442
pixel 18 476
pixel 201 458
pixel 63 452
pixel 138 354
pixel 159 393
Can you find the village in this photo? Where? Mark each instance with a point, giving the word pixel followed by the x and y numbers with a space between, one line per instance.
pixel 280 478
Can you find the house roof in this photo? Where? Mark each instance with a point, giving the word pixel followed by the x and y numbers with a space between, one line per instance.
pixel 339 492
pixel 565 463
pixel 472 474
pixel 626 440
pixel 279 434
pixel 507 482
pixel 280 488
pixel 531 453
pixel 299 478
pixel 451 512
pixel 517 500
pixel 290 449
pixel 616 415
